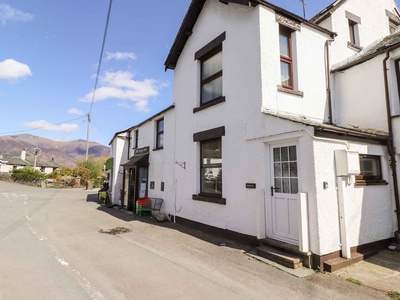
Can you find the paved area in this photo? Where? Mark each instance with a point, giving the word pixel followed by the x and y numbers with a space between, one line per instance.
pixel 61 244
pixel 381 271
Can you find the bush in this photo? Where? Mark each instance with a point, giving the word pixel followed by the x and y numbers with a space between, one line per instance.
pixel 27 175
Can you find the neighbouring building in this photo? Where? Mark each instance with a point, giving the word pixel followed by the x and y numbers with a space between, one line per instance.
pixel 283 130
pixel 11 162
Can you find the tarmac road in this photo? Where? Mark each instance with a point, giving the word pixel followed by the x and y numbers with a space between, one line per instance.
pixel 51 248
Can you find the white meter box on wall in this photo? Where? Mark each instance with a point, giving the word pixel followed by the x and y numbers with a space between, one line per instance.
pixel 347 163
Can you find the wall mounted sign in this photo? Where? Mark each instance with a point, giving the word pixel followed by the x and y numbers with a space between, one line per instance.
pixel 142 151
pixel 250 185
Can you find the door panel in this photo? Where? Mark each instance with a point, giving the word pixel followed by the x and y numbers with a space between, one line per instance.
pixel 284 189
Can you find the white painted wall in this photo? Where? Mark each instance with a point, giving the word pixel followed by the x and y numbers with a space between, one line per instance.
pixel 359 96
pixel 309 69
pixel 374 25
pixel 369 209
pixel 161 161
pixel 119 150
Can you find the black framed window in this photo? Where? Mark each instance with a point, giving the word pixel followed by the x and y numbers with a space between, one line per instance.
pixel 286 56
pixel 160 134
pixel 211 76
pixel 211 168
pixel 136 139
pixel 370 170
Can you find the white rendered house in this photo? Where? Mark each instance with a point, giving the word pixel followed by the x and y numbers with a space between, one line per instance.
pixel 260 147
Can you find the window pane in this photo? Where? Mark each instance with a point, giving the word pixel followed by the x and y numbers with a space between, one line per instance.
pixel 294 186
pixel 160 125
pixel 293 169
pixel 286 185
pixel 160 140
pixel 284 44
pixel 292 153
pixel 277 170
pixel 285 74
pixel 211 168
pixel 285 170
pixel 278 185
pixel 212 65
pixel 212 180
pixel 285 156
pixel 277 154
pixel 212 90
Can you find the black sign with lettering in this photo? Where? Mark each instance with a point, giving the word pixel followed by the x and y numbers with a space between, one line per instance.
pixel 250 185
pixel 142 151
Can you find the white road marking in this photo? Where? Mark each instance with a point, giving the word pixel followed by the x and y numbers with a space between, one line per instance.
pixel 75 274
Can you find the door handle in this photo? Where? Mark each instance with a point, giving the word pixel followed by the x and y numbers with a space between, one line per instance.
pixel 272 190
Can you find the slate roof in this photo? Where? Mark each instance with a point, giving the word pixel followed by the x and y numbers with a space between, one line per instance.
pixel 15 160
pixel 327 12
pixel 388 43
pixel 355 132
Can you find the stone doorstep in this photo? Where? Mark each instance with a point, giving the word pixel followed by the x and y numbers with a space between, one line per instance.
pixel 338 263
pixel 284 247
pixel 280 257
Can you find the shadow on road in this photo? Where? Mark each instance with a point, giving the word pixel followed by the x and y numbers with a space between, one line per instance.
pixel 219 240
pixel 92 198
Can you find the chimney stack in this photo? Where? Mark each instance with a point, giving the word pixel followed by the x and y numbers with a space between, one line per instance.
pixel 23 154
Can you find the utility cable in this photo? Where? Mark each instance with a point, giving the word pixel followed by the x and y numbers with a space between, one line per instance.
pixel 101 56
pixel 38 128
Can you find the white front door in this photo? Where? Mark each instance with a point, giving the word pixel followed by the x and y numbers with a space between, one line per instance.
pixel 284 188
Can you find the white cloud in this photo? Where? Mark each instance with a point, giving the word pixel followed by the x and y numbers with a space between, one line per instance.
pixel 75 111
pixel 122 86
pixel 121 55
pixel 12 69
pixel 10 14
pixel 44 125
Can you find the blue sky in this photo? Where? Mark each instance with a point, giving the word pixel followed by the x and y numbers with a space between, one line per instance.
pixel 49 57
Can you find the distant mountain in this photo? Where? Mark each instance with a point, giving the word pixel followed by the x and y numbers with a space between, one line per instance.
pixel 64 153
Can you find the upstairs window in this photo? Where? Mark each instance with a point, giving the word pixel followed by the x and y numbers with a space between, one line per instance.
pixel 136 139
pixel 354 23
pixel 285 46
pixel 160 134
pixel 210 58
pixel 211 76
pixel 370 171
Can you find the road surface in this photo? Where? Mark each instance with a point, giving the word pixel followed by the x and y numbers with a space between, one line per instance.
pixel 55 244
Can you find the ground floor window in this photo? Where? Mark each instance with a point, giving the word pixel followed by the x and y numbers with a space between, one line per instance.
pixel 211 167
pixel 370 170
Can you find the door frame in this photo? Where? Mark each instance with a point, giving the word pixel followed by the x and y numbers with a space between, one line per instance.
pixel 270 183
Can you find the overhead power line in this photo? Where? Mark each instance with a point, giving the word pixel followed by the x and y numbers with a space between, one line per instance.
pixel 97 78
pixel 39 128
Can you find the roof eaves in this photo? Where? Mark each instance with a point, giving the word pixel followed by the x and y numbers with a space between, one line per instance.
pixel 371 134
pixel 384 46
pixel 145 121
pixel 326 12
pixel 194 11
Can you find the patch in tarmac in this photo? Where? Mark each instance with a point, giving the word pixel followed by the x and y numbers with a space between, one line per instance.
pixel 114 231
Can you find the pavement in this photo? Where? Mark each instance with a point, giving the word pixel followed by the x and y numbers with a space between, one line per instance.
pixel 381 271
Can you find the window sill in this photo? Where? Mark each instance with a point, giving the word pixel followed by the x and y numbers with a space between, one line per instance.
pixel 156 149
pixel 289 91
pixel 212 199
pixel 209 104
pixel 354 46
pixel 360 182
